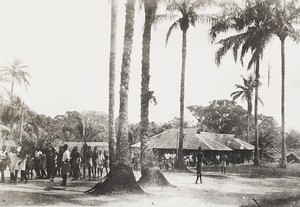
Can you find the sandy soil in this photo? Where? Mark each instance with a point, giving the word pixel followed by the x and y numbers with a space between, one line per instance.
pixel 216 190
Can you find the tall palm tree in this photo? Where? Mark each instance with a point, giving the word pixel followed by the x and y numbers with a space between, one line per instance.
pixel 188 16
pixel 150 7
pixel 121 177
pixel 112 69
pixel 122 135
pixel 250 21
pixel 16 71
pixel 286 17
pixel 246 93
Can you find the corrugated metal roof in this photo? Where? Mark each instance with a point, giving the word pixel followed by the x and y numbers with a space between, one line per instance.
pixel 229 141
pixel 192 140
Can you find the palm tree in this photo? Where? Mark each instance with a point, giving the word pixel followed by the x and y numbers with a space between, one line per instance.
pixel 150 7
pixel 188 16
pixel 286 17
pixel 121 177
pixel 148 174
pixel 251 22
pixel 122 135
pixel 112 66
pixel 16 72
pixel 246 93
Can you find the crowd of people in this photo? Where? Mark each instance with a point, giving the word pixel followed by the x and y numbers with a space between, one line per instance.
pixel 48 163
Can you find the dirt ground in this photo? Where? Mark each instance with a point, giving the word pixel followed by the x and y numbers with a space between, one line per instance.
pixel 217 190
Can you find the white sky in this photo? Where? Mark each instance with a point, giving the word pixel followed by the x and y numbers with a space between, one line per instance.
pixel 66 45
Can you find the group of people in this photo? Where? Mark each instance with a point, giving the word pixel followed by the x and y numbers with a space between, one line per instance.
pixel 48 163
pixel 168 161
pixel 95 161
pixel 15 159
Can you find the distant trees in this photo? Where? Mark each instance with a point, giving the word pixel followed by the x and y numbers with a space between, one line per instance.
pixel 221 116
pixel 15 72
pixel 293 140
pixel 268 133
pixel 226 117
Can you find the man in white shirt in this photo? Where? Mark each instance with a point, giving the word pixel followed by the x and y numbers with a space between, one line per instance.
pixel 65 164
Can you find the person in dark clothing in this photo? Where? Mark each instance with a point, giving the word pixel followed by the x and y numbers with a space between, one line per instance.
pixel 59 162
pixel 199 162
pixel 106 161
pixel 88 161
pixel 94 161
pixel 50 159
pixel 75 157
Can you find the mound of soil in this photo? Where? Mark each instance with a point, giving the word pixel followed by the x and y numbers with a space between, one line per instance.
pixel 119 180
pixel 153 178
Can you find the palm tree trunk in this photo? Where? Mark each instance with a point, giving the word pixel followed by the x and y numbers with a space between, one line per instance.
pixel 12 88
pixel 256 148
pixel 180 164
pixel 112 71
pixel 283 158
pixel 144 124
pixel 248 120
pixel 122 136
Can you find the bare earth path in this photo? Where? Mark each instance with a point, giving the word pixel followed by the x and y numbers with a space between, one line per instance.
pixel 216 190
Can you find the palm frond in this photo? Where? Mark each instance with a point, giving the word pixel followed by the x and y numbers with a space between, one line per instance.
pixel 165 17
pixel 294 35
pixel 175 25
pixel 260 101
pixel 203 18
pixel 198 4
pixel 174 6
pixel 241 87
pixel 234 42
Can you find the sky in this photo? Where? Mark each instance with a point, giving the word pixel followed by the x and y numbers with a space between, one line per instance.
pixel 65 44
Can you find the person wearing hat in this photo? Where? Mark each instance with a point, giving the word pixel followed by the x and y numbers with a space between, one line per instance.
pixel 199 160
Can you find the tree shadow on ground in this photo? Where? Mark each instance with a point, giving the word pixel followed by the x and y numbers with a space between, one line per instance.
pixel 279 200
pixel 220 176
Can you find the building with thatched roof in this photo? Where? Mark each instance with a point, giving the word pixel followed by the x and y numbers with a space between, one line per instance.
pixel 211 143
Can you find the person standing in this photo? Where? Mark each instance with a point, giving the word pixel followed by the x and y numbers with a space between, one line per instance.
pixel 199 163
pixel 75 161
pixel 37 163
pixel 100 163
pixel 65 164
pixel 22 155
pixel 218 159
pixel 223 163
pixel 3 162
pixel 106 161
pixel 95 163
pixel 13 164
pixel 50 159
pixel 59 158
pixel 88 161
